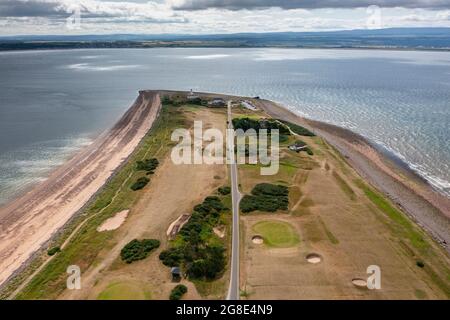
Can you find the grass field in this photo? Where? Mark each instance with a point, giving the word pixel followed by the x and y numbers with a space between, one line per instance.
pixel 87 243
pixel 124 291
pixel 278 234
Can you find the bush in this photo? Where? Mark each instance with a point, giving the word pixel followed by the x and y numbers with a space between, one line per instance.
pixel 309 151
pixel 420 264
pixel 53 251
pixel 270 189
pixel 171 257
pixel 209 264
pixel 224 190
pixel 140 183
pixel 283 138
pixel 166 100
pixel 138 250
pixel 266 197
pixel 178 292
pixel 302 131
pixel 257 124
pixel 148 165
pixel 194 252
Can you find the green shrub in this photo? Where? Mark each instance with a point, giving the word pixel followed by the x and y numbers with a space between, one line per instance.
pixel 171 257
pixel 53 251
pixel 224 190
pixel 148 165
pixel 140 183
pixel 302 131
pixel 257 124
pixel 138 250
pixel 420 264
pixel 166 100
pixel 194 252
pixel 283 138
pixel 266 197
pixel 178 292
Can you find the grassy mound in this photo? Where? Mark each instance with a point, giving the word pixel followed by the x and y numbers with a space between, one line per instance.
pixel 123 291
pixel 277 233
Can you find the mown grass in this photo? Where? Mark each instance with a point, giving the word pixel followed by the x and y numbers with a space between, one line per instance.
pixel 328 233
pixel 87 243
pixel 124 291
pixel 404 228
pixel 345 187
pixel 394 214
pixel 277 234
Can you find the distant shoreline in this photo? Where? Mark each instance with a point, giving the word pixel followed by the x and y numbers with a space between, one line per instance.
pixel 146 45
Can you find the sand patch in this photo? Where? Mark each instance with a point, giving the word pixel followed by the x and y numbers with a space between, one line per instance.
pixel 360 283
pixel 219 231
pixel 313 258
pixel 114 222
pixel 257 240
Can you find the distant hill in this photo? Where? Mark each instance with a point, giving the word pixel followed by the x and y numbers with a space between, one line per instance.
pixel 398 38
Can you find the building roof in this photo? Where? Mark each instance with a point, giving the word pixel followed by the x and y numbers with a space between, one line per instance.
pixel 175 270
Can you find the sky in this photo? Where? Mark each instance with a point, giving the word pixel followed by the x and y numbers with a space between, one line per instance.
pixel 66 17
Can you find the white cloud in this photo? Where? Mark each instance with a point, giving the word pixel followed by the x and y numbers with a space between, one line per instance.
pixel 158 16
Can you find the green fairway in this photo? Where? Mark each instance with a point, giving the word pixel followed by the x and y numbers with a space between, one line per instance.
pixel 124 291
pixel 277 233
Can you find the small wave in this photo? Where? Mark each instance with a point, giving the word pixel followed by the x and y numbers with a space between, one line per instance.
pixel 91 67
pixel 208 56
pixel 31 165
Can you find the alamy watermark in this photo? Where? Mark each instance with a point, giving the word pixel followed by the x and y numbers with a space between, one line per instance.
pixel 73 22
pixel 73 281
pixel 374 280
pixel 207 147
pixel 374 20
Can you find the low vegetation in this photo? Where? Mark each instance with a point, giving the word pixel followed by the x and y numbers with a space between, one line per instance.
pixel 302 131
pixel 277 233
pixel 196 248
pixel 178 292
pixel 257 124
pixel 138 249
pixel 224 190
pixel 140 183
pixel 54 250
pixel 307 149
pixel 266 197
pixel 148 165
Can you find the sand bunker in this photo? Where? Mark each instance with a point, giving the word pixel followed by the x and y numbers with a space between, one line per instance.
pixel 360 283
pixel 313 258
pixel 257 240
pixel 219 231
pixel 114 222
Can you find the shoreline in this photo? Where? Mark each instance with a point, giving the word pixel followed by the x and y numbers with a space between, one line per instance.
pixel 30 221
pixel 405 188
pixel 412 193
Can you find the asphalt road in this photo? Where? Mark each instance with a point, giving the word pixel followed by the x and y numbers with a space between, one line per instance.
pixel 233 291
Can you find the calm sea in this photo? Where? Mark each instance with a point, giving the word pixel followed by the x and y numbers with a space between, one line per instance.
pixel 52 103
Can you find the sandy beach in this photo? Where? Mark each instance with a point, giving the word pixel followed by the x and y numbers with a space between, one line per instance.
pixel 27 223
pixel 430 209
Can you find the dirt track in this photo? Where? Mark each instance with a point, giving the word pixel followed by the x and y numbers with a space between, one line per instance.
pixel 30 221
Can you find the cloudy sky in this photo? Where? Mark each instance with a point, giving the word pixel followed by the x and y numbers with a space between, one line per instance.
pixel 215 16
